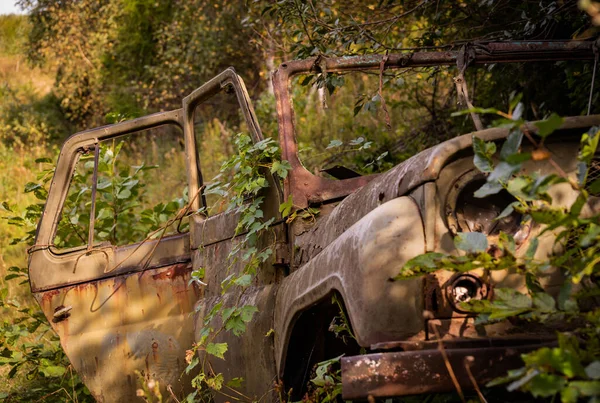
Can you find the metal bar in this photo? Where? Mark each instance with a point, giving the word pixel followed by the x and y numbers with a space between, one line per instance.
pixel 90 243
pixel 592 84
pixel 483 53
pixel 424 371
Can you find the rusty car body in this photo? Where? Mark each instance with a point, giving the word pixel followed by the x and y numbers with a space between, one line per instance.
pixel 121 309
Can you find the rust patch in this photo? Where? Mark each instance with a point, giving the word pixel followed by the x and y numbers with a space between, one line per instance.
pixel 424 371
pixel 433 294
pixel 179 270
pixel 48 295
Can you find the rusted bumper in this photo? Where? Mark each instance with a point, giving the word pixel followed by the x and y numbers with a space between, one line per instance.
pixel 425 371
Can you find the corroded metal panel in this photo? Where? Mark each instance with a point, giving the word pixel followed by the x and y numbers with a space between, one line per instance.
pixel 426 371
pixel 359 264
pixel 250 356
pixel 137 322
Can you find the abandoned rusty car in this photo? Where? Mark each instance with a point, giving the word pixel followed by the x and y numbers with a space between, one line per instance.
pixel 125 310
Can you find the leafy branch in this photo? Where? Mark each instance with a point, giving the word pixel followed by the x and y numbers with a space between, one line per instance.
pixel 573 368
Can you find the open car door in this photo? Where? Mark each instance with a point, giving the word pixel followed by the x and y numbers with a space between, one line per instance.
pixel 116 287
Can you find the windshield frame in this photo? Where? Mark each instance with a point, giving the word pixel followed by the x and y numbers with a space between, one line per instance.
pixel 308 189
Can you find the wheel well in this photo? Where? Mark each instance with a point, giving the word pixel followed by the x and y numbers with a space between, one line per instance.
pixel 313 340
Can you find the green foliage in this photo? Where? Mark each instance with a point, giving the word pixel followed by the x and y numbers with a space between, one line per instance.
pixel 28 345
pixel 120 214
pixel 241 182
pixel 30 351
pixel 327 382
pixel 138 56
pixel 13 33
pixel 571 368
pixel 200 40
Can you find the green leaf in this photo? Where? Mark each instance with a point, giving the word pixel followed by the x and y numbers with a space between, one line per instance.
pixel 488 189
pixel 53 371
pixel 503 172
pixel 593 370
pixel 562 360
pixel 533 284
pixel 545 385
pixel 589 145
pixel 306 80
pixel 544 302
pixel 587 388
pixel 512 298
pixel 594 187
pixel 334 144
pixel 235 324
pixel 483 154
pixel 195 361
pixel 235 382
pixel 510 376
pixel 577 205
pixel 519 158
pixel 511 145
pixel 124 194
pixel 471 242
pixel 564 294
pixel 217 349
pixel 227 312
pixel 508 210
pixel 215 382
pixel 244 280
pixel 30 187
pixel 357 141
pixel 548 126
pixel 286 208
pixel 419 265
pixel 247 312
pixel 281 168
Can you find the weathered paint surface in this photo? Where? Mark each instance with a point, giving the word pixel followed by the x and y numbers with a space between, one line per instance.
pixel 138 322
pixel 358 265
pixel 425 371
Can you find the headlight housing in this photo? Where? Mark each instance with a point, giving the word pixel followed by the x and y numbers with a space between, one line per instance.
pixel 467 213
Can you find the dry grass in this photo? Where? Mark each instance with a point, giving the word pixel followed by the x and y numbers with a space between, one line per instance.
pixel 16 72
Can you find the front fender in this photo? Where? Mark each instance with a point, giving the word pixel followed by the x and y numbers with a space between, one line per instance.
pixel 359 265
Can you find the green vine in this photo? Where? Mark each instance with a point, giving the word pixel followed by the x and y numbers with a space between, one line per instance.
pixel 246 178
